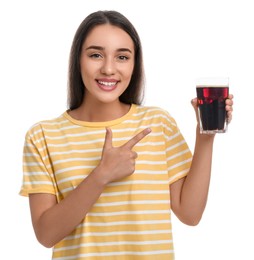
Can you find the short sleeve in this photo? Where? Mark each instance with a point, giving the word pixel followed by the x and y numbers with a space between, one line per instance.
pixel 37 171
pixel 178 154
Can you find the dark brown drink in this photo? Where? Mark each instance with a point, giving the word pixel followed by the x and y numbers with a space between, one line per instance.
pixel 211 104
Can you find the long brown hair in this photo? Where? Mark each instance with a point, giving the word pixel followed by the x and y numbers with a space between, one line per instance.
pixel 76 89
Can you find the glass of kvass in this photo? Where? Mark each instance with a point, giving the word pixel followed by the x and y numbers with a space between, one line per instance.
pixel 212 93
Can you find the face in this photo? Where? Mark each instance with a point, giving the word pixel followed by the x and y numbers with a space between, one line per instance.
pixel 107 62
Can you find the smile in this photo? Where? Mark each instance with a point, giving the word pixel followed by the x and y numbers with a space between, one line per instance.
pixel 107 85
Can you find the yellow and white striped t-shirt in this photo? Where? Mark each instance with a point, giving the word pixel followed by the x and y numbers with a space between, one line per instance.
pixel 131 219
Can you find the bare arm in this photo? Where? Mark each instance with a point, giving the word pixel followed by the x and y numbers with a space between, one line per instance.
pixel 189 195
pixel 53 221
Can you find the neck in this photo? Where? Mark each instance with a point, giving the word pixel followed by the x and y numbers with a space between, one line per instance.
pixel 100 112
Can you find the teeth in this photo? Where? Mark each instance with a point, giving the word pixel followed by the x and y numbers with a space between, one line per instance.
pixel 109 84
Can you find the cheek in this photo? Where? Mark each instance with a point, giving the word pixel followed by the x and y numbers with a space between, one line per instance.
pixel 87 71
pixel 128 71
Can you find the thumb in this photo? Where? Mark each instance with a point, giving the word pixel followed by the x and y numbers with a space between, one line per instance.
pixel 108 139
pixel 194 103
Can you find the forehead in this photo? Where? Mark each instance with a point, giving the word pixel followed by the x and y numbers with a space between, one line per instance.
pixel 109 37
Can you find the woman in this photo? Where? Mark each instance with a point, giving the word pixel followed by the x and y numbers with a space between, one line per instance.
pixel 103 177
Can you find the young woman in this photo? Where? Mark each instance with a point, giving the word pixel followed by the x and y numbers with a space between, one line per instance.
pixel 103 177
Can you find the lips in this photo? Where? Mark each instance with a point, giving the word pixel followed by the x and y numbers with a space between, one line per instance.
pixel 107 84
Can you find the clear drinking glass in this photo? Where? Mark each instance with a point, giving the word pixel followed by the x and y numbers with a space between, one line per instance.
pixel 212 93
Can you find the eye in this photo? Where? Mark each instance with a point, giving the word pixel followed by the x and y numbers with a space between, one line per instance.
pixel 123 57
pixel 95 55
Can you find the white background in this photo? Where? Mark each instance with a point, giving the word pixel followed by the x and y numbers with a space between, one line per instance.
pixel 182 40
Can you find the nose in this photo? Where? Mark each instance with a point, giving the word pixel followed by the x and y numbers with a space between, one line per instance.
pixel 108 67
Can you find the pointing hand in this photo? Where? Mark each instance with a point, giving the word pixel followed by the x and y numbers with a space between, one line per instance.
pixel 119 162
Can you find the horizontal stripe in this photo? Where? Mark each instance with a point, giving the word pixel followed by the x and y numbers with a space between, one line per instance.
pixel 125 223
pixel 36 132
pixel 43 148
pixel 71 178
pixel 150 162
pixel 33 164
pixel 101 132
pixel 63 121
pixel 115 243
pixel 120 193
pixel 156 252
pixel 172 137
pixel 150 172
pixel 123 183
pixel 35 173
pixel 151 153
pixel 61 128
pixel 73 169
pixel 143 110
pixel 89 151
pixel 92 159
pixel 153 182
pixel 126 129
pixel 37 183
pixel 120 213
pixel 120 233
pixel 102 140
pixel 75 135
pixel 179 164
pixel 175 145
pixel 179 174
pixel 77 151
pixel 178 154
pixel 142 202
pixel 152 117
pixel 31 155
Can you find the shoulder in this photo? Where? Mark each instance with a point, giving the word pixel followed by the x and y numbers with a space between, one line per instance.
pixel 152 110
pixel 37 129
pixel 156 112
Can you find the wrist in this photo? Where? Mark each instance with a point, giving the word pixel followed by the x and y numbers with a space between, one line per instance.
pixel 98 177
pixel 205 137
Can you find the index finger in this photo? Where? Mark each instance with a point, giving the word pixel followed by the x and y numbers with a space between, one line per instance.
pixel 137 138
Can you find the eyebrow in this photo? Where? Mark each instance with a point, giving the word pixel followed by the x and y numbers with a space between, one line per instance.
pixel 95 47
